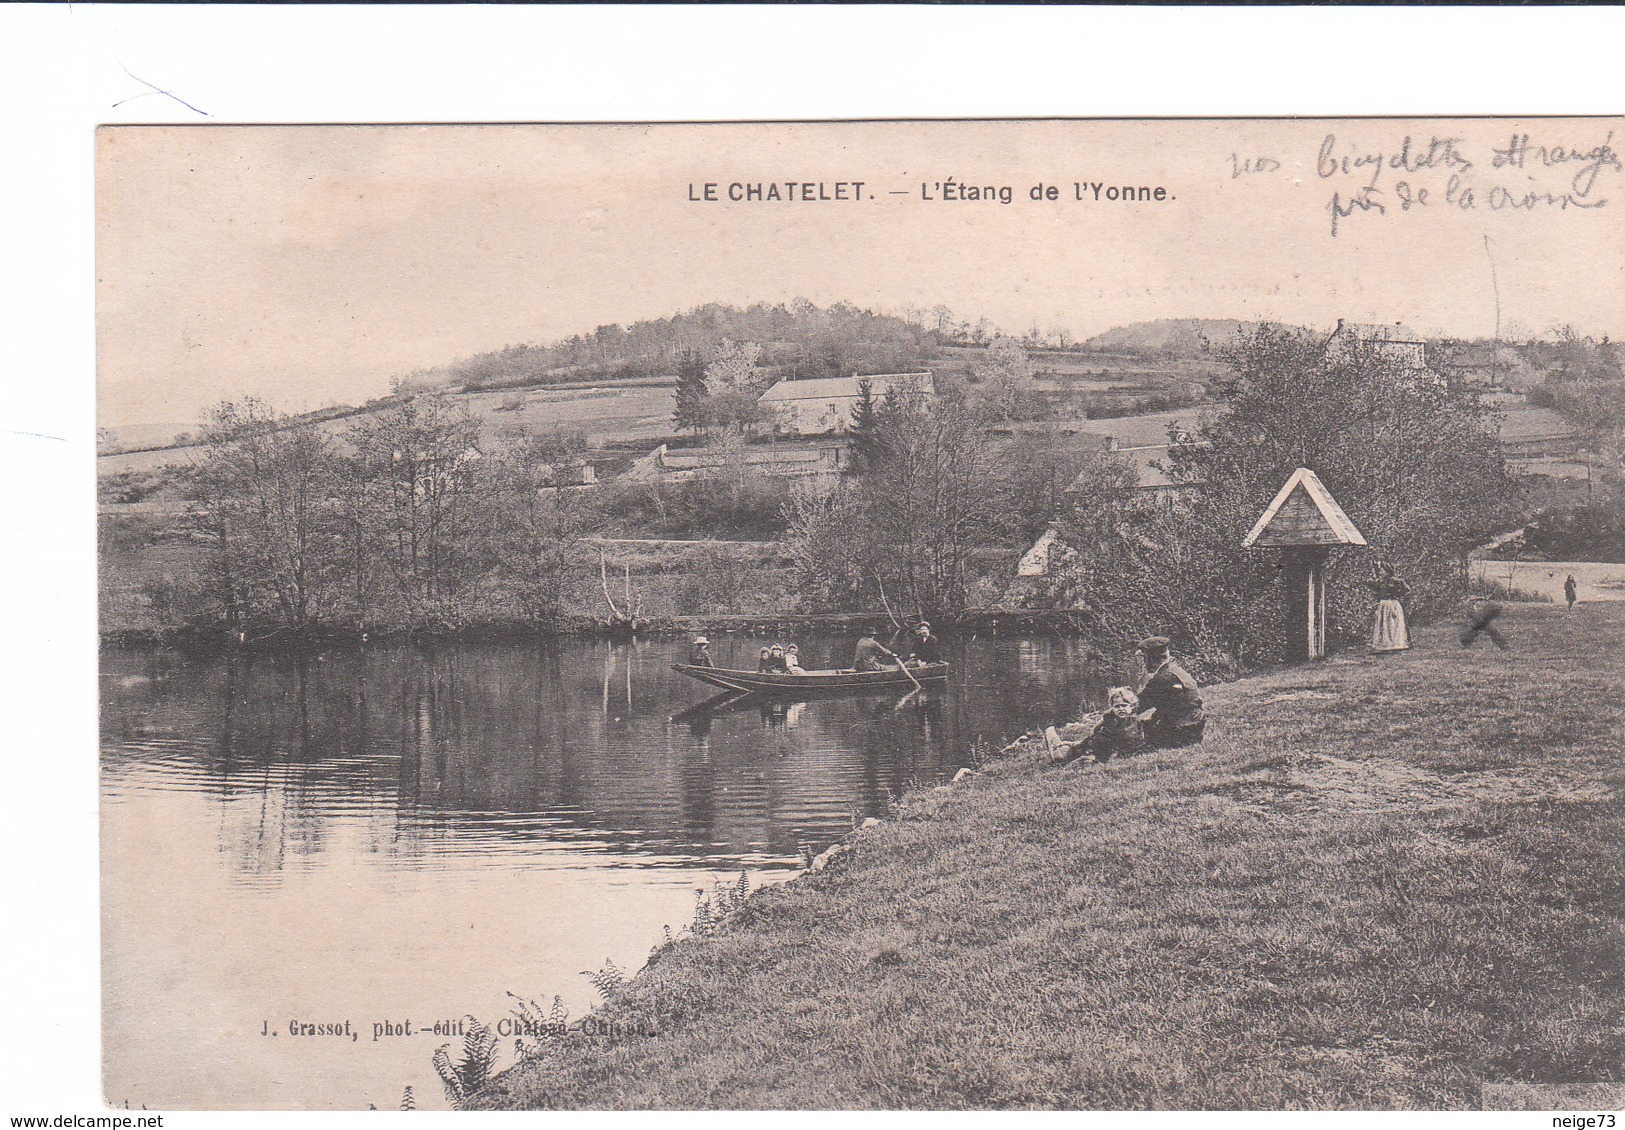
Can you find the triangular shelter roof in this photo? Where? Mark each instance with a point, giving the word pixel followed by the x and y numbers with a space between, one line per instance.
pixel 1303 513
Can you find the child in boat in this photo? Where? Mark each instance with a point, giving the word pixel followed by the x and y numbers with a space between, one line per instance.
pixel 775 664
pixel 792 660
pixel 763 662
pixel 1117 732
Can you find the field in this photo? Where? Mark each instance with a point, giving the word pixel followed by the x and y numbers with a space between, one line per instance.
pixel 619 410
pixel 1381 883
pixel 1593 580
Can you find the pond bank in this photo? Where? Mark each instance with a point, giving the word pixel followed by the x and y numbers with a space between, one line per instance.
pixel 213 638
pixel 1381 882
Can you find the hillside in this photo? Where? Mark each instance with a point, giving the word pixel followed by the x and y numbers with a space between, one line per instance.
pixel 1374 886
pixel 798 340
pixel 1177 337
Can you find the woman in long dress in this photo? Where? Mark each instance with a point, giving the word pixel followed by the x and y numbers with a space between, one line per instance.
pixel 1388 622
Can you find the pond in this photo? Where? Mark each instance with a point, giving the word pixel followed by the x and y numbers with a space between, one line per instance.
pixel 389 838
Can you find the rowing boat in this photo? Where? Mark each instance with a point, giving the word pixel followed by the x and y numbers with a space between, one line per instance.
pixel 812 681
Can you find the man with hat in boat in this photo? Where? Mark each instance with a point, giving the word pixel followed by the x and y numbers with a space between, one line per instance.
pixel 1170 704
pixel 924 648
pixel 871 655
pixel 700 654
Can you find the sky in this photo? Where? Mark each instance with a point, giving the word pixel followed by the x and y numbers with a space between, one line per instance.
pixel 312 265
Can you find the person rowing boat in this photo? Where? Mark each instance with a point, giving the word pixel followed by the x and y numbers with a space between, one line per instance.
pixel 871 655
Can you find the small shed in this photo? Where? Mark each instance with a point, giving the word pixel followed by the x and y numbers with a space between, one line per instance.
pixel 1305 523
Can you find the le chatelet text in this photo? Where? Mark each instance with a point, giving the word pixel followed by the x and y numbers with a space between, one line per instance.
pixel 772 192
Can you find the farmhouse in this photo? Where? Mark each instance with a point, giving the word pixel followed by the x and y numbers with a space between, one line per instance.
pixel 1152 486
pixel 824 406
pixel 1394 343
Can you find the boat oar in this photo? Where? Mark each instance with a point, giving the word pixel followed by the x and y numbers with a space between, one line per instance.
pixel 903 664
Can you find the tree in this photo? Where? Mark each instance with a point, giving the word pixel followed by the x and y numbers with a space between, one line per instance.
pixel 1411 456
pixel 930 492
pixel 734 382
pixel 1044 470
pixel 425 492
pixel 735 365
pixel 542 521
pixel 828 539
pixel 693 392
pixel 865 426
pixel 261 489
pixel 1005 374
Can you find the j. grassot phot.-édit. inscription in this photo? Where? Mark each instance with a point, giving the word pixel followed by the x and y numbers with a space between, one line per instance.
pixel 947 190
pixel 445 1029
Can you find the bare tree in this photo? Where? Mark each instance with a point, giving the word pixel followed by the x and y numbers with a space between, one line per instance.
pixel 261 486
pixel 544 518
pixel 421 462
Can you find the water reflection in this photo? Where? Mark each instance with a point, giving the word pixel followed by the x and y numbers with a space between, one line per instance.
pixel 417 832
pixel 458 748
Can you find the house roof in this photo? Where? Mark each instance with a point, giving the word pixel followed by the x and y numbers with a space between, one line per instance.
pixel 1303 513
pixel 839 388
pixel 1378 331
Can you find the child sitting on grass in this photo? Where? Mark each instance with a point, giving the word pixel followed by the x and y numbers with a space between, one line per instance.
pixel 1117 732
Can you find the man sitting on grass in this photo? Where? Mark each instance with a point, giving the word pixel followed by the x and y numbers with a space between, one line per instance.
pixel 1171 706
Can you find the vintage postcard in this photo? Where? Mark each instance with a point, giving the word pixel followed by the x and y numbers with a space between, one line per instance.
pixel 1110 614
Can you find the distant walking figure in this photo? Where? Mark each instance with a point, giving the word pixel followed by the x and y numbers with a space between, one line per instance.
pixel 1569 589
pixel 1388 622
pixel 1482 622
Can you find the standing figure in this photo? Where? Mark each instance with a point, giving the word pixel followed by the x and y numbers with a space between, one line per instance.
pixel 1569 591
pixel 1388 622
pixel 1171 706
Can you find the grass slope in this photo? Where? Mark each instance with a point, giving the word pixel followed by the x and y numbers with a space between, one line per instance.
pixel 1380 883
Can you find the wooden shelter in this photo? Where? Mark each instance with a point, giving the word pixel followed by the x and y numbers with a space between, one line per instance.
pixel 1305 523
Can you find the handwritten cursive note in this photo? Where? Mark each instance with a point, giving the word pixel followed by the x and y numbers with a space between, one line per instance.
pixel 1528 174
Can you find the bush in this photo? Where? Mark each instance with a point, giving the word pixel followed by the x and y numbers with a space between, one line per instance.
pixel 747 505
pixel 1591 532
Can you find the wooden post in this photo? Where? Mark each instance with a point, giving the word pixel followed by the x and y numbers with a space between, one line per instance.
pixel 1306 595
pixel 1305 571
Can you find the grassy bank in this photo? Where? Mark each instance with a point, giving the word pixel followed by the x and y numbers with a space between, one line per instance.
pixel 1381 882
